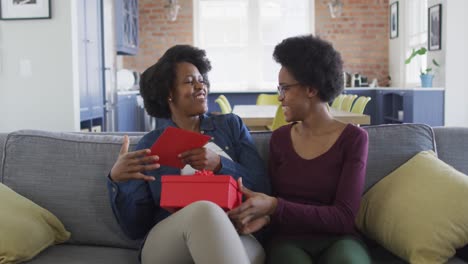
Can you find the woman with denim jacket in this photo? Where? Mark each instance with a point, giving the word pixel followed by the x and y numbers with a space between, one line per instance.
pixel 316 165
pixel 175 90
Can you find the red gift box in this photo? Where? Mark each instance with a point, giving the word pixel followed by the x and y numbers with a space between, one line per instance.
pixel 179 191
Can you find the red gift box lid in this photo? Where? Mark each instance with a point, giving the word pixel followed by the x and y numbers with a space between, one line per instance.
pixel 199 179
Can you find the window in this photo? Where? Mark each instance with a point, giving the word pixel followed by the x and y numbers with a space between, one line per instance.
pixel 417 38
pixel 239 37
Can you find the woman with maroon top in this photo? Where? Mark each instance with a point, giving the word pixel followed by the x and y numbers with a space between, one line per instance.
pixel 317 165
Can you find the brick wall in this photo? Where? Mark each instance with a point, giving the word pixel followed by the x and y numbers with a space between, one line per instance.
pixel 157 34
pixel 360 34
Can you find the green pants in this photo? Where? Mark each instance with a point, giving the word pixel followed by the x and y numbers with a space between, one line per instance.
pixel 324 250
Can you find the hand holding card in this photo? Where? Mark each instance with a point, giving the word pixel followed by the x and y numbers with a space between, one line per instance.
pixel 174 141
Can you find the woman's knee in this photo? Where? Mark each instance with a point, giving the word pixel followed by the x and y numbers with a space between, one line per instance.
pixel 285 252
pixel 206 210
pixel 206 207
pixel 346 251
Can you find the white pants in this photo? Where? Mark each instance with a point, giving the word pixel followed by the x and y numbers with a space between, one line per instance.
pixel 200 233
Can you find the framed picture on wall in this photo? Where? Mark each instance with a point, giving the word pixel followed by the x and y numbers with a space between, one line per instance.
pixel 24 9
pixel 434 27
pixel 394 20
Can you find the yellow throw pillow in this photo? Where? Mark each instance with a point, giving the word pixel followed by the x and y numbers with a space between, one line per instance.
pixel 25 228
pixel 418 212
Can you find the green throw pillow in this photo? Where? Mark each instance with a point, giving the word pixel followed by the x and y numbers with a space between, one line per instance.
pixel 419 211
pixel 25 228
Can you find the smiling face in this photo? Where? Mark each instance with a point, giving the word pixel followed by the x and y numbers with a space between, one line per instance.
pixel 189 97
pixel 296 101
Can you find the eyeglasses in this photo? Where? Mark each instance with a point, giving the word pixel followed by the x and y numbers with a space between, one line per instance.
pixel 284 87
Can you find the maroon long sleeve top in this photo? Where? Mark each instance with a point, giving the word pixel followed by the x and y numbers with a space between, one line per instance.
pixel 321 195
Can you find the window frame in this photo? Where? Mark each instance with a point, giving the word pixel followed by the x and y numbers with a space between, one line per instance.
pixel 420 60
pixel 251 82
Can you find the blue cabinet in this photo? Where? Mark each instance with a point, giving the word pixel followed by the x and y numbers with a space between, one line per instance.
pixel 126 17
pixel 411 106
pixel 128 112
pixel 392 105
pixel 90 62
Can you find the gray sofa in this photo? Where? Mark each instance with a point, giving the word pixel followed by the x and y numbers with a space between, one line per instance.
pixel 65 173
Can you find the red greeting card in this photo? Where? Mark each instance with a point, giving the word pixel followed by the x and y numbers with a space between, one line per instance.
pixel 174 141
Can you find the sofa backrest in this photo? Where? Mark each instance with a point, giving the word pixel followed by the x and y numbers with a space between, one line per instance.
pixel 66 174
pixel 452 146
pixel 389 147
pixel 392 145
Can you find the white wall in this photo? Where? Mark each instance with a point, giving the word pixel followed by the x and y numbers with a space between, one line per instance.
pixel 37 87
pixel 452 57
pixel 396 47
pixel 456 59
pixel 440 55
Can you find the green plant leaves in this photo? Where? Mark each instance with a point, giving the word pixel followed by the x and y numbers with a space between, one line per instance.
pixel 420 51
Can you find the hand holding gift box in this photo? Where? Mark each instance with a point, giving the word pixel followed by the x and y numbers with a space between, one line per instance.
pixel 178 192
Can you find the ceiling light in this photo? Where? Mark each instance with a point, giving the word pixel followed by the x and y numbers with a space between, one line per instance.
pixel 171 9
pixel 335 7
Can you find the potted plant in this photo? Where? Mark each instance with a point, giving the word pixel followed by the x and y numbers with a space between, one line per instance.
pixel 426 74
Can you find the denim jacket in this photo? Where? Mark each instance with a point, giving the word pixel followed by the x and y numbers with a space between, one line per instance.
pixel 135 203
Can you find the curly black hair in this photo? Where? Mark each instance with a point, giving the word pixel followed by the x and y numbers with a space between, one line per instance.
pixel 314 62
pixel 158 81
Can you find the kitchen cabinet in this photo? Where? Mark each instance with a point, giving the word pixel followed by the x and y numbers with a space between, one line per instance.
pixel 126 17
pixel 411 106
pixel 90 61
pixel 130 112
pixel 403 105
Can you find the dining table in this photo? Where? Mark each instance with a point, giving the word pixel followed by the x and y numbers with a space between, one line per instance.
pixel 260 116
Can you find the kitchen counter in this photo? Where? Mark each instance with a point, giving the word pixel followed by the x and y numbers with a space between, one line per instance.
pixel 128 92
pixel 396 88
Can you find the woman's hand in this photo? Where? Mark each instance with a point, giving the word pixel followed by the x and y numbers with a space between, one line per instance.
pixel 201 159
pixel 254 213
pixel 253 226
pixel 130 165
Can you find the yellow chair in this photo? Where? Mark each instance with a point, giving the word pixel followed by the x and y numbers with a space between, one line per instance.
pixel 222 105
pixel 226 102
pixel 338 101
pixel 267 99
pixel 348 102
pixel 279 119
pixel 360 104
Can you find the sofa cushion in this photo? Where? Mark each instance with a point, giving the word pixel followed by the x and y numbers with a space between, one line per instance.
pixel 66 173
pixel 452 146
pixel 392 145
pixel 416 213
pixel 74 254
pixel 25 228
